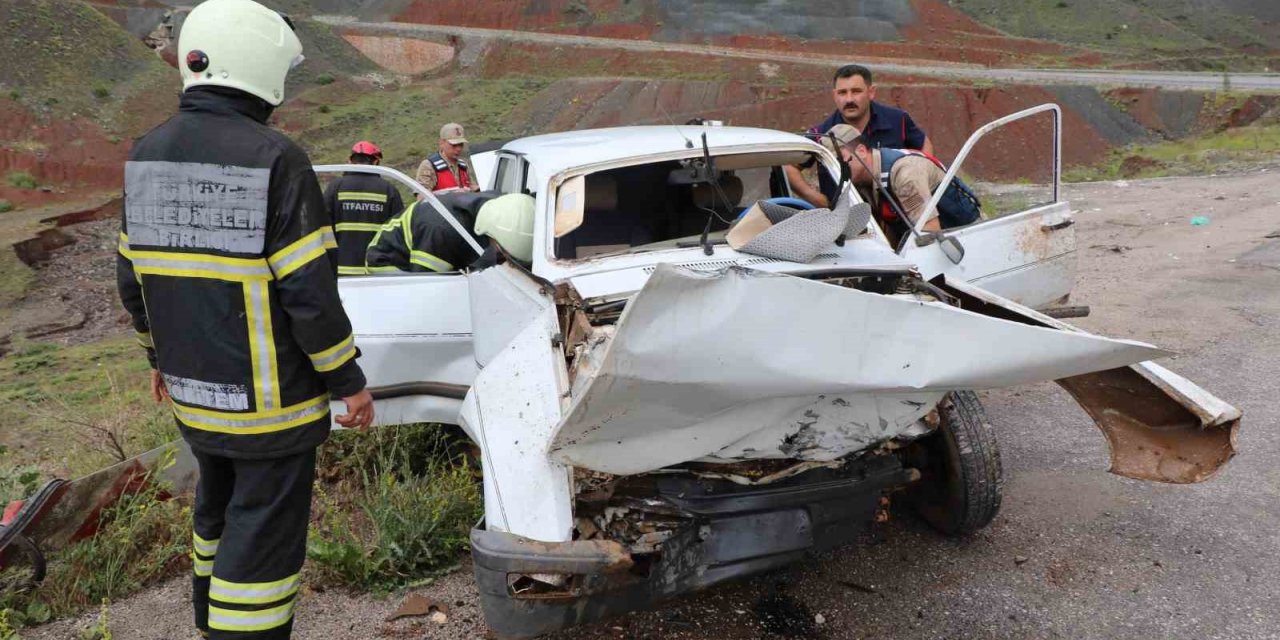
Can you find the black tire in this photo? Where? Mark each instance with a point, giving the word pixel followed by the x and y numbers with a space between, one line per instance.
pixel 961 480
pixel 24 565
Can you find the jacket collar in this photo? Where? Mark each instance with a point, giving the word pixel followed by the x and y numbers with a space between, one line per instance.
pixel 225 101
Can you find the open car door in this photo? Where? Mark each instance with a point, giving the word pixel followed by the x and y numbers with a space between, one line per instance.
pixel 1028 256
pixel 414 331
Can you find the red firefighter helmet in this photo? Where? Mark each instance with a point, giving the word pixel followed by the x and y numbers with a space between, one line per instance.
pixel 366 148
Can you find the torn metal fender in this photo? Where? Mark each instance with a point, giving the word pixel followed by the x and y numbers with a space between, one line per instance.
pixel 1160 426
pixel 513 407
pixel 743 364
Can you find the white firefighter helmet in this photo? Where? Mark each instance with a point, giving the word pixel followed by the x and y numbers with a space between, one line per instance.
pixel 238 44
pixel 509 221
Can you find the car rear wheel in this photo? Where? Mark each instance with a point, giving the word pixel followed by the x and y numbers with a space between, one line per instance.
pixel 961 480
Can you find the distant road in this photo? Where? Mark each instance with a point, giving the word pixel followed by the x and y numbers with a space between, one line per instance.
pixel 1158 79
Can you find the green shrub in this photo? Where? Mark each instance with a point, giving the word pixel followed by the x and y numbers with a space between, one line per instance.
pixel 101 628
pixel 7 632
pixel 324 79
pixel 398 512
pixel 16 482
pixel 5 206
pixel 102 92
pixel 22 180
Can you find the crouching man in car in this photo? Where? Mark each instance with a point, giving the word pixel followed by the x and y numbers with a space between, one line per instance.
pixel 420 240
pixel 907 178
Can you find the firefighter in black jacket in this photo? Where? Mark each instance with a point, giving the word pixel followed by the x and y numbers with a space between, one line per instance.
pixel 226 265
pixel 421 240
pixel 360 204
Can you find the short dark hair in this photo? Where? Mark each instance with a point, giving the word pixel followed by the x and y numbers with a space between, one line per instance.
pixel 360 158
pixel 851 70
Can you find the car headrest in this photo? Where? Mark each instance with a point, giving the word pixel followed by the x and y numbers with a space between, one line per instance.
pixel 602 193
pixel 705 195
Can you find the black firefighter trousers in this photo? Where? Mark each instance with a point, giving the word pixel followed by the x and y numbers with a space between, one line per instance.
pixel 250 539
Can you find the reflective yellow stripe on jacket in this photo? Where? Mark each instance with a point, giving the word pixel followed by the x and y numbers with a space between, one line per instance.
pixel 302 252
pixel 334 356
pixel 369 227
pixel 362 196
pixel 428 261
pixel 255 422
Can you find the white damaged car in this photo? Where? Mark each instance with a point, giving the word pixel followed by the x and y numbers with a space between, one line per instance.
pixel 658 412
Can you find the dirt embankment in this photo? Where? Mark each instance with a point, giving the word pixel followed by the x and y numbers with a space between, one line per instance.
pixel 62 155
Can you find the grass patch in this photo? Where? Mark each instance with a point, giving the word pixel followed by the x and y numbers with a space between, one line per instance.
pixel 395 510
pixel 16 481
pixel 1191 33
pixel 406 121
pixel 60 44
pixel 73 410
pixel 5 206
pixel 22 180
pixel 16 279
pixel 1230 150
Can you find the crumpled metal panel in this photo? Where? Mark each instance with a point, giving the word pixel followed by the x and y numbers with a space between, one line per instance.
pixel 735 365
pixel 1159 425
pixel 513 407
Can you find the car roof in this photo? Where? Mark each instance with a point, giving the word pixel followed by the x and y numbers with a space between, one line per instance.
pixel 555 152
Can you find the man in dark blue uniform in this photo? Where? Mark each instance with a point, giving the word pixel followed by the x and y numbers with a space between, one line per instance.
pixel 854 92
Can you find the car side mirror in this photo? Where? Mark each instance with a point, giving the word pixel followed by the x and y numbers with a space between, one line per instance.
pixel 952 249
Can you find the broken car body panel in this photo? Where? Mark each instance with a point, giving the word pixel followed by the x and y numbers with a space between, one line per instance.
pixel 1159 425
pixel 514 406
pixel 745 365
pixel 412 329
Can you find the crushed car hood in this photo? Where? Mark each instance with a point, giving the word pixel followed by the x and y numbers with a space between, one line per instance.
pixel 742 364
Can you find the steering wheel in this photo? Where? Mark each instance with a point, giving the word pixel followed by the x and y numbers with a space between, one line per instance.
pixel 786 201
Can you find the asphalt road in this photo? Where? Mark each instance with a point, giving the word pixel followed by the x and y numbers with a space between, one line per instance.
pixel 1075 552
pixel 1164 80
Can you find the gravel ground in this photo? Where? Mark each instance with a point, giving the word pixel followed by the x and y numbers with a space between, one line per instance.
pixel 1075 552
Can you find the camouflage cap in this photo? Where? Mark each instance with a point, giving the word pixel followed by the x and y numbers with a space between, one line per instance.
pixel 843 134
pixel 452 133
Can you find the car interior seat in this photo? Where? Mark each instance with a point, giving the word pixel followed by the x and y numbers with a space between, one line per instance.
pixel 607 224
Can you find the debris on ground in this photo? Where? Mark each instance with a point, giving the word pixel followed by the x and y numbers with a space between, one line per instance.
pixel 417 605
pixel 1113 248
pixel 857 587
pixel 1199 221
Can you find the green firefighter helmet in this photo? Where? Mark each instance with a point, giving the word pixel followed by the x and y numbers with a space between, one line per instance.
pixel 509 221
pixel 238 44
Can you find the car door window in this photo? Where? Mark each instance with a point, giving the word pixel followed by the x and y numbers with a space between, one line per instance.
pixel 1022 247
